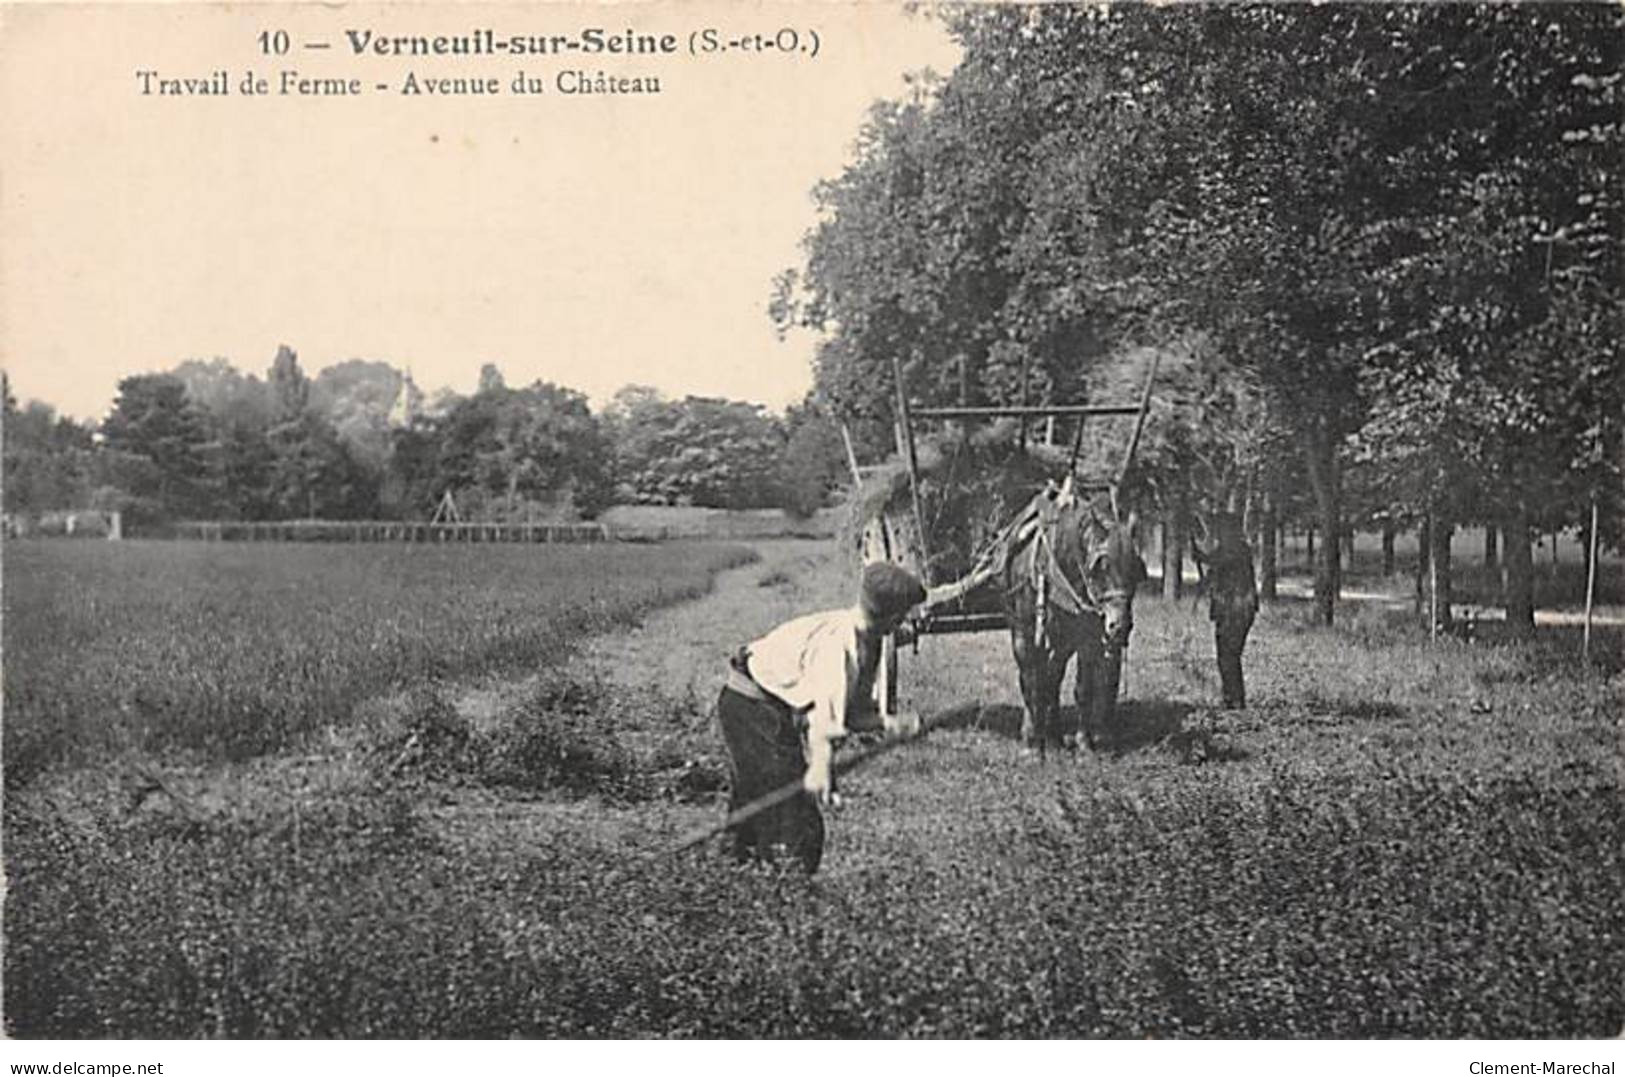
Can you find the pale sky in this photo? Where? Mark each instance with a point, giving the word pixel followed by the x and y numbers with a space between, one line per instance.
pixel 592 241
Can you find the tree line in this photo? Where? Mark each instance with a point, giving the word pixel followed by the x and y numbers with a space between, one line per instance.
pixel 359 440
pixel 1375 248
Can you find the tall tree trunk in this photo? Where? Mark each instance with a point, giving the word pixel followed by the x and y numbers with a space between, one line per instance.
pixel 1268 567
pixel 1309 546
pixel 1422 546
pixel 1174 540
pixel 1520 572
pixel 1165 536
pixel 1436 589
pixel 1320 454
pixel 1388 531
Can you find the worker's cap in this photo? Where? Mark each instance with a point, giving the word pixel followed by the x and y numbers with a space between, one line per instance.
pixel 887 591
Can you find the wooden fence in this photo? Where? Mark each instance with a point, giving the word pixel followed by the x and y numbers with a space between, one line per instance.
pixel 722 529
pixel 388 531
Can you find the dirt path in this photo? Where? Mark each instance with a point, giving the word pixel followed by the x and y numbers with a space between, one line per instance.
pixel 683 649
pixel 1397 597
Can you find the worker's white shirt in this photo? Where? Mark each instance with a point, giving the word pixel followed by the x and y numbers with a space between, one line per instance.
pixel 814 663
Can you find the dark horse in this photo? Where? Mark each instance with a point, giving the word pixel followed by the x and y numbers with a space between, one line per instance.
pixel 1069 578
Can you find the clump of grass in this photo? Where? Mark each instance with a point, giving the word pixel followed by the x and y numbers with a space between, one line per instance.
pixel 563 738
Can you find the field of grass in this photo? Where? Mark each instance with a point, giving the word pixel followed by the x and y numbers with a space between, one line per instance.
pixel 1398 839
pixel 235 650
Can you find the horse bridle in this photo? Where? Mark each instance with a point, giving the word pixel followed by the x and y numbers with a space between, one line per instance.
pixel 1089 601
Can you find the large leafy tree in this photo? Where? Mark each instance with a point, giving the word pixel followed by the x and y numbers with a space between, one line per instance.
pixel 1320 193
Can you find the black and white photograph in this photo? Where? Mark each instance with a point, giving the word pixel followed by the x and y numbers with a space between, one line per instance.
pixel 835 520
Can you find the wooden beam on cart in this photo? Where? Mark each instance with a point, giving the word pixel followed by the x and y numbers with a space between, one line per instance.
pixel 1077 447
pixel 1035 411
pixel 851 457
pixel 948 624
pixel 1139 425
pixel 905 448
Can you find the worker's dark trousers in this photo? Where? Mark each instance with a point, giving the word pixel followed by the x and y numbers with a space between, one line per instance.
pixel 764 749
pixel 1229 638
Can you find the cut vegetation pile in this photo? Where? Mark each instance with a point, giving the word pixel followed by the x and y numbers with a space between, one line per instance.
pixel 971 486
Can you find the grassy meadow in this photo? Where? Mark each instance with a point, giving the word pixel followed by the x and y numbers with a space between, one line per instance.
pixel 1397 839
pixel 231 651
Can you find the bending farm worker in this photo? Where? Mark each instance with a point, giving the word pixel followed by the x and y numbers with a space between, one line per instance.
pixel 1232 602
pixel 794 693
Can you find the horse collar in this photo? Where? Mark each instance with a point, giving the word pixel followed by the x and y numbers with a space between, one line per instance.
pixel 1066 595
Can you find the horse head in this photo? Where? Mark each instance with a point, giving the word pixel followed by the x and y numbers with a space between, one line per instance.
pixel 1100 552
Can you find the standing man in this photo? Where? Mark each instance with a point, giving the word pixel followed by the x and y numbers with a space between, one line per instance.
pixel 1232 601
pixel 790 695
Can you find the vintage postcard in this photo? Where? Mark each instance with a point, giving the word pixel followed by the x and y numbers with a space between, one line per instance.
pixel 743 521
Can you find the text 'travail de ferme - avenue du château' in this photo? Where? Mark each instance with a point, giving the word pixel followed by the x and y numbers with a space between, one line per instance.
pixel 482 42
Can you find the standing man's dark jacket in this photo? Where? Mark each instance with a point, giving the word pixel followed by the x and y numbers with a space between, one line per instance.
pixel 1232 603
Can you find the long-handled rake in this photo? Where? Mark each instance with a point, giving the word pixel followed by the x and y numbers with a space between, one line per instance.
pixel 791 789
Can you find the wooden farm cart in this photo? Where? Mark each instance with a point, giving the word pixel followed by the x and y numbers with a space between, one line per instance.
pixel 902 537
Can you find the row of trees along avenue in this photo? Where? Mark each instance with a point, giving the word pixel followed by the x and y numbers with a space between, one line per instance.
pixel 1377 246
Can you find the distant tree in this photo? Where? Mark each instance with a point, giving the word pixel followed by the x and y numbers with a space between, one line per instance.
pixel 159 441
pixel 239 409
pixel 812 465
pixel 412 486
pixel 312 471
pixel 242 462
pixel 356 397
pixel 634 419
pixel 241 400
pixel 440 403
pixel 512 448
pixel 49 459
pixel 699 450
pixel 491 379
pixel 290 389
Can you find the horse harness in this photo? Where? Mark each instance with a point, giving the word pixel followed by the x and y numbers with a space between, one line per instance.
pixel 1045 574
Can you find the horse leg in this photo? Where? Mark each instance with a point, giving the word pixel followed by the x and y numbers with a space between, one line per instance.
pixel 1028 663
pixel 1109 674
pixel 1099 670
pixel 1053 666
pixel 1085 691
